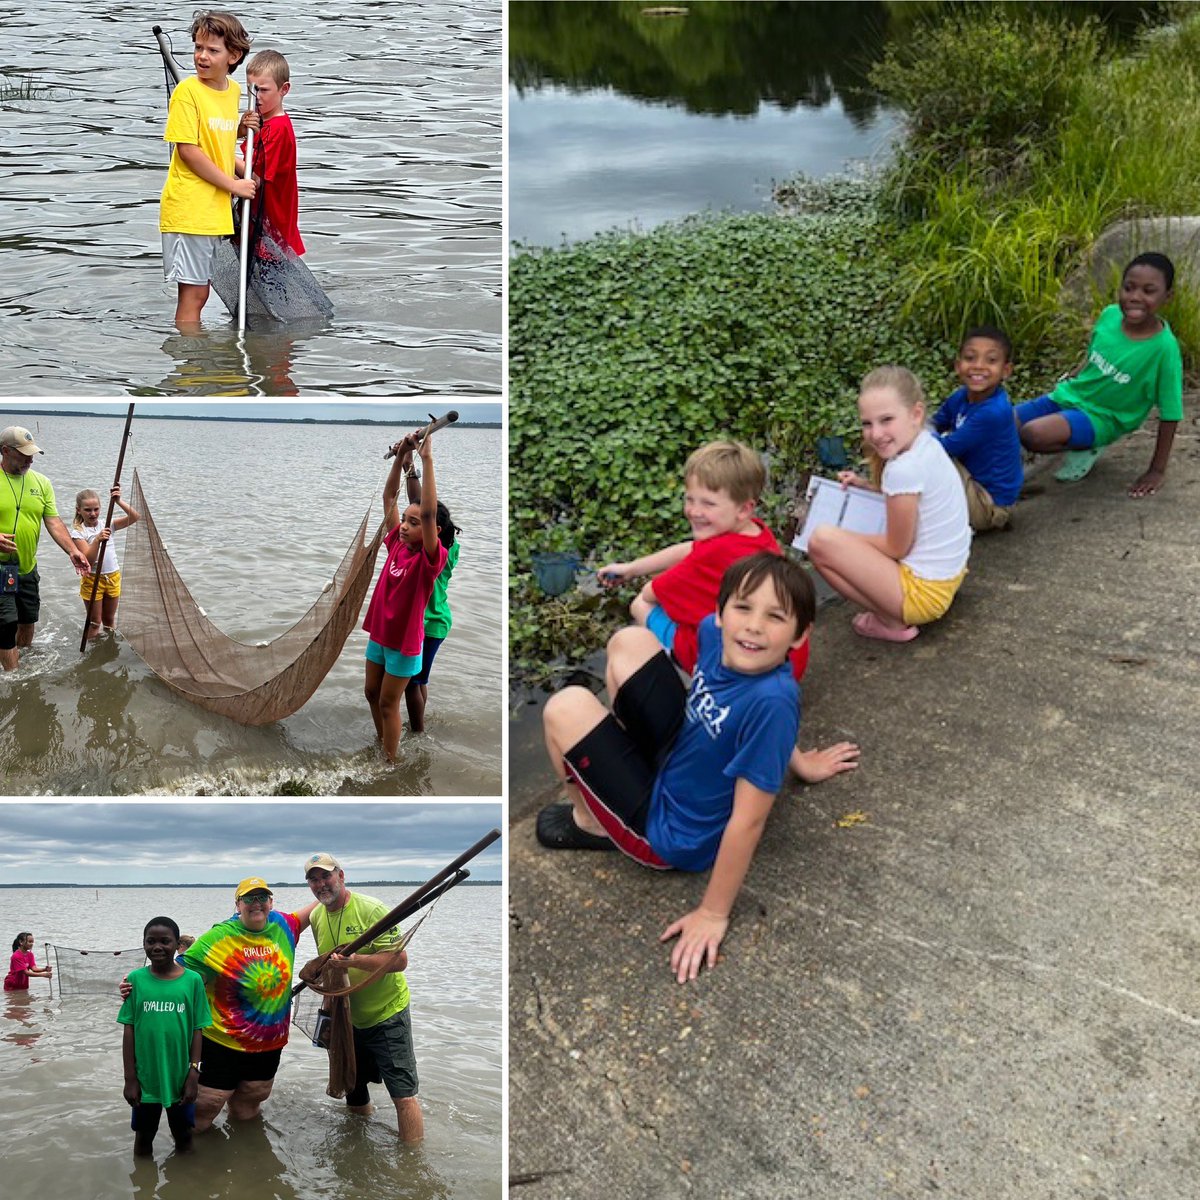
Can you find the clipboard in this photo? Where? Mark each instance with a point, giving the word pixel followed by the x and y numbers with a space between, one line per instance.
pixel 857 509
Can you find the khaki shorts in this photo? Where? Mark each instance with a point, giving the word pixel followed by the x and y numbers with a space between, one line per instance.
pixel 982 511
pixel 926 599
pixel 108 585
pixel 189 257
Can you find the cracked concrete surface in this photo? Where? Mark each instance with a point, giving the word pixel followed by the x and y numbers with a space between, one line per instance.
pixel 987 988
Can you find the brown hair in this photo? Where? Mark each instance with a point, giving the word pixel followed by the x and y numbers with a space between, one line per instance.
pixel 793 587
pixel 270 62
pixel 727 467
pixel 907 386
pixel 225 26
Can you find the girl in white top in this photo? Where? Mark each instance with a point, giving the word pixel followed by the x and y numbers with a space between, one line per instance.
pixel 92 540
pixel 907 575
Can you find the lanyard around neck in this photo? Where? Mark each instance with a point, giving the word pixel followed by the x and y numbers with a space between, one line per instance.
pixel 18 500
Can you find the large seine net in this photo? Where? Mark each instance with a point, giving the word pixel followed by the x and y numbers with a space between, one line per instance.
pixel 253 685
pixel 91 972
pixel 278 284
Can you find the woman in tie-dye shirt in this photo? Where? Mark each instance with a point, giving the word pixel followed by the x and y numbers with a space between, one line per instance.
pixel 246 964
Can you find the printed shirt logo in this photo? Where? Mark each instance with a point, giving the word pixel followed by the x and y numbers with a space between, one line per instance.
pixel 222 124
pixel 1110 369
pixel 165 1006
pixel 702 707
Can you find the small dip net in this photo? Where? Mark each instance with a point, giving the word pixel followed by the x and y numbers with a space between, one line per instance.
pixel 91 972
pixel 278 284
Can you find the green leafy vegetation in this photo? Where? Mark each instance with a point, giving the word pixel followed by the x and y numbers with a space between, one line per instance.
pixel 1029 135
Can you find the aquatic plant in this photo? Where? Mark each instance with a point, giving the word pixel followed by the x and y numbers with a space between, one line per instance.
pixel 14 88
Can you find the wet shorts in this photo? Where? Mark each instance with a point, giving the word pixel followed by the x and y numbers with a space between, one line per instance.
pixel 926 599
pixel 403 666
pixel 222 1069
pixel 384 1053
pixel 1083 433
pixel 144 1120
pixel 19 609
pixel 428 653
pixel 189 257
pixel 108 585
pixel 616 763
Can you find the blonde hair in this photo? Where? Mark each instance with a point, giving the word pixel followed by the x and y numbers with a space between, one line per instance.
pixel 727 467
pixel 270 62
pixel 80 497
pixel 907 386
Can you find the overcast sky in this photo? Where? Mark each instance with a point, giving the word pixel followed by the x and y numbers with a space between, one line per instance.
pixel 190 842
pixel 392 411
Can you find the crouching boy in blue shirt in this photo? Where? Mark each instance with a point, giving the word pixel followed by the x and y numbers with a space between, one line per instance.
pixel 685 778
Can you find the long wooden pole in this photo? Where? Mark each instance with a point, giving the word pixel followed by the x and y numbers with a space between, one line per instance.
pixel 112 503
pixel 416 899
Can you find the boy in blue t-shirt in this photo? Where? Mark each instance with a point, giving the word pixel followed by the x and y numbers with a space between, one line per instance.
pixel 680 777
pixel 976 428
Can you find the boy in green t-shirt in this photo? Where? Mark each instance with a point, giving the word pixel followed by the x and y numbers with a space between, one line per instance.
pixel 163 1015
pixel 1133 365
pixel 204 124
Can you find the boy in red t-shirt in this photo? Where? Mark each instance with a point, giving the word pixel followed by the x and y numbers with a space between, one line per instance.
pixel 722 483
pixel 274 162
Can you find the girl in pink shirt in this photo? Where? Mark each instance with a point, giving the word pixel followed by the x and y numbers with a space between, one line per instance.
pixel 23 965
pixel 396 615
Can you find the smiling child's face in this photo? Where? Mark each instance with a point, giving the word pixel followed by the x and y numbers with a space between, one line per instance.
pixel 160 944
pixel 982 366
pixel 1143 292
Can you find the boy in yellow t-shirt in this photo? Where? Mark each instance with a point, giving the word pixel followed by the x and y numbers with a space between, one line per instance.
pixel 203 123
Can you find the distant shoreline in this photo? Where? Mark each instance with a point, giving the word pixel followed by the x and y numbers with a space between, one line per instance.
pixel 88 887
pixel 61 412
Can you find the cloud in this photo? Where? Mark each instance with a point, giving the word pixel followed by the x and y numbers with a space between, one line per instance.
pixel 186 842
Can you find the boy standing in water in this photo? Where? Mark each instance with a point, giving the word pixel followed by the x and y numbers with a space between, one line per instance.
pixel 164 1015
pixel 203 123
pixel 274 163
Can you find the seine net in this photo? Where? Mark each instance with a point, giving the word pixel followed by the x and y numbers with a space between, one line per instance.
pixel 91 972
pixel 253 685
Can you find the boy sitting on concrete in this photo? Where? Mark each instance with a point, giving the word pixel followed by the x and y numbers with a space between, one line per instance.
pixel 722 483
pixel 686 778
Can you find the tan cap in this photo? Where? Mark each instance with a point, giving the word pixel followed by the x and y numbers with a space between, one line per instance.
pixel 19 438
pixel 321 862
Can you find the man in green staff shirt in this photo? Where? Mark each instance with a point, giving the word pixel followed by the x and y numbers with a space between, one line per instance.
pixel 26 504
pixel 383 1044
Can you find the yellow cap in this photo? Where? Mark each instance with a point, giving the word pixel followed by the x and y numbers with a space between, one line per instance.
pixel 253 884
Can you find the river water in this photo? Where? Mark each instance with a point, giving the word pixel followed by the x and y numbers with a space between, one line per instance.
pixel 65 1127
pixel 255 534
pixel 619 117
pixel 397 110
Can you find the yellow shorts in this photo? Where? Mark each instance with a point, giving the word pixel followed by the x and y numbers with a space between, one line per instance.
pixel 926 599
pixel 108 585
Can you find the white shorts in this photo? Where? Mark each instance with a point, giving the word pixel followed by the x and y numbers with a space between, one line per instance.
pixel 189 257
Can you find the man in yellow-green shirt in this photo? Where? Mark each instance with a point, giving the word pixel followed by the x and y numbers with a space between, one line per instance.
pixel 383 1044
pixel 26 504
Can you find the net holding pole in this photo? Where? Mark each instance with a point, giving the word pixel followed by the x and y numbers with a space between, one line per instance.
pixel 112 503
pixel 435 423
pixel 418 898
pixel 244 256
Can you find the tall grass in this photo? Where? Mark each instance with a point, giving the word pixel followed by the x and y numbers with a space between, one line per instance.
pixel 993 224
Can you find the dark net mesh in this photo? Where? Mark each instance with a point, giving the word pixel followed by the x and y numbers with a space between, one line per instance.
pixel 278 284
pixel 91 972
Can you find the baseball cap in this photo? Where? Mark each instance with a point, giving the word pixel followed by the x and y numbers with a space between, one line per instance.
pixel 321 862
pixel 253 884
pixel 19 438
